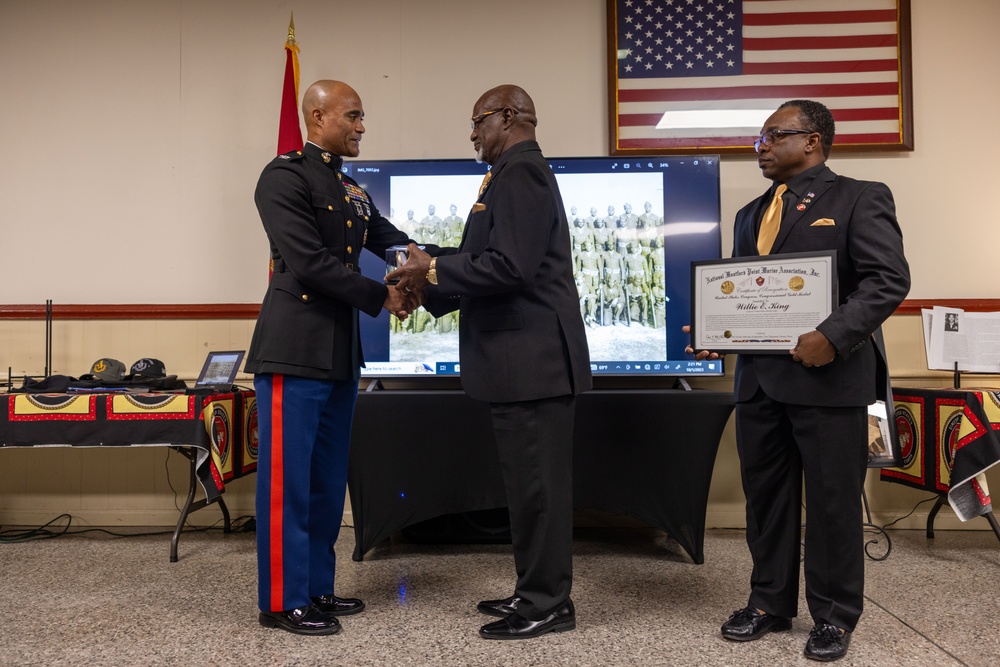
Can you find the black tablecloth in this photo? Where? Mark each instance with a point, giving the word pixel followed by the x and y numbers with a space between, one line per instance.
pixel 416 455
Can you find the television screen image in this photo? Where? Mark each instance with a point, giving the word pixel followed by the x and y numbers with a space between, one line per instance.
pixel 636 225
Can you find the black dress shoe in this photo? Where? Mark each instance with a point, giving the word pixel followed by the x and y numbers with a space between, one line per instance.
pixel 748 624
pixel 306 620
pixel 826 642
pixel 500 608
pixel 516 626
pixel 334 606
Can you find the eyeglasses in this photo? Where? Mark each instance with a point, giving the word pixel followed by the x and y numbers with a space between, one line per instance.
pixel 770 136
pixel 476 120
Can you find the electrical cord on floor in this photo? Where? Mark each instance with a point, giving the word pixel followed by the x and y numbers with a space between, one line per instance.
pixel 41 533
pixel 45 531
pixel 925 500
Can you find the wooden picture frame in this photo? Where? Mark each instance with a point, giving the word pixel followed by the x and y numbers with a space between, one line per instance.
pixel 843 58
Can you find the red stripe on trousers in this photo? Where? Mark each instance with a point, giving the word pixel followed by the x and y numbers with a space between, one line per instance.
pixel 277 495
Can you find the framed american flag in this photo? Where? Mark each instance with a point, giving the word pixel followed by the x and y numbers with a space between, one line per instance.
pixel 702 75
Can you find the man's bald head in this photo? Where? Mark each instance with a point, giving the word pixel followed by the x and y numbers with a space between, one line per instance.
pixel 514 97
pixel 502 116
pixel 333 113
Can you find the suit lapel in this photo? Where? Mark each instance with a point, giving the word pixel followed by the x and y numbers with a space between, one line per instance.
pixel 746 244
pixel 819 185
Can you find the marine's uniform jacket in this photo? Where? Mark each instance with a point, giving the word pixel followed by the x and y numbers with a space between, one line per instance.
pixel 317 221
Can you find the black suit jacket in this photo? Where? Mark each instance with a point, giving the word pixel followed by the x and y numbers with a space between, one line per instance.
pixel 873 278
pixel 521 335
pixel 317 221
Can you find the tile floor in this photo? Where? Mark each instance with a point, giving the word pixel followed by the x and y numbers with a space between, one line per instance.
pixel 94 601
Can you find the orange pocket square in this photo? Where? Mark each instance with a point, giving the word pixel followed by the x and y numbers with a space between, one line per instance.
pixel 479 206
pixel 824 222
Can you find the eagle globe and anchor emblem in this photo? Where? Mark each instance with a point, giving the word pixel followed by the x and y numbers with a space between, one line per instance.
pixel 220 434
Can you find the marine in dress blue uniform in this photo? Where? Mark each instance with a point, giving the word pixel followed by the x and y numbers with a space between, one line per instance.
pixel 306 357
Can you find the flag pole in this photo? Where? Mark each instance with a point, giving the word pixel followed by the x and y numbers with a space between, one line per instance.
pixel 289 131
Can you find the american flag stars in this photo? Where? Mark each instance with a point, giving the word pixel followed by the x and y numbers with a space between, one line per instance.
pixel 679 37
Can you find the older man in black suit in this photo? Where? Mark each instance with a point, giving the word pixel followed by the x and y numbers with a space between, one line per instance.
pixel 523 348
pixel 805 412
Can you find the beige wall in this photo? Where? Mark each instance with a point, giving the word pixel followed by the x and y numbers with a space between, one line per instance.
pixel 133 134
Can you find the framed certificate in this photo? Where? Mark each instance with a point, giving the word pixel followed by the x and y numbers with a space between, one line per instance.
pixel 760 305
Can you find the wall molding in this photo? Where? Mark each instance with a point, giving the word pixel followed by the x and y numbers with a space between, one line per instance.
pixel 163 311
pixel 249 311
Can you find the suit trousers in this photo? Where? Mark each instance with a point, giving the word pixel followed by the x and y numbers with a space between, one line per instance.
pixel 304 438
pixel 779 444
pixel 535 443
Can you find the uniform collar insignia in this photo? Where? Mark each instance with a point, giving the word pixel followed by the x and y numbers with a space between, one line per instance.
pixel 326 157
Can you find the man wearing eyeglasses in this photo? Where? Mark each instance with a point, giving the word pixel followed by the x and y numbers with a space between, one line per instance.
pixel 523 349
pixel 805 412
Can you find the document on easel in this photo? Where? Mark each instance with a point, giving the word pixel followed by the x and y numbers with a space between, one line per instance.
pixel 970 340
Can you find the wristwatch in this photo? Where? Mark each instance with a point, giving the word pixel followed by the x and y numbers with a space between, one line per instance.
pixel 432 273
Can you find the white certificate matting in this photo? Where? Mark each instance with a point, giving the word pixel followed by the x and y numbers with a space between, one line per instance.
pixel 760 304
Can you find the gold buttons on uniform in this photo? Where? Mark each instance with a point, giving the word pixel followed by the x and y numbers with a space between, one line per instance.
pixel 346 198
pixel 349 224
pixel 305 297
pixel 349 250
pixel 330 207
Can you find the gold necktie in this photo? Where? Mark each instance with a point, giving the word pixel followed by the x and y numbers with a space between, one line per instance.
pixel 486 181
pixel 771 222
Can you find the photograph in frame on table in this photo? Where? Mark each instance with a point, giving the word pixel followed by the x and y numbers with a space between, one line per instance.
pixel 689 77
pixel 760 304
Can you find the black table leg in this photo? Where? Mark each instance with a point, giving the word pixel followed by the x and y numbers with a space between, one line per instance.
pixel 941 500
pixel 192 505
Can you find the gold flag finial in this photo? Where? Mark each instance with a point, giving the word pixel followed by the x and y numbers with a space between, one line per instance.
pixel 291 29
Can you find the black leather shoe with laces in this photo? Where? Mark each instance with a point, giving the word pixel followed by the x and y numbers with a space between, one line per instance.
pixel 500 608
pixel 827 642
pixel 748 624
pixel 306 620
pixel 334 606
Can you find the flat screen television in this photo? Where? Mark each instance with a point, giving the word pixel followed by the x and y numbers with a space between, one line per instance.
pixel 637 223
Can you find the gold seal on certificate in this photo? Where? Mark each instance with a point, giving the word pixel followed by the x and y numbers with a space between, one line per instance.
pixel 760 305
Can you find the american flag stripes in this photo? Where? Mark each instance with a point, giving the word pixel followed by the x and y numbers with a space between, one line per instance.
pixel 692 66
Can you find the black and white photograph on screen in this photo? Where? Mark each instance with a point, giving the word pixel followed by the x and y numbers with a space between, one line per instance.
pixel 436 208
pixel 619 261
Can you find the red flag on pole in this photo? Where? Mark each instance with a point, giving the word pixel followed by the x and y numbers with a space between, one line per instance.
pixel 289 131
